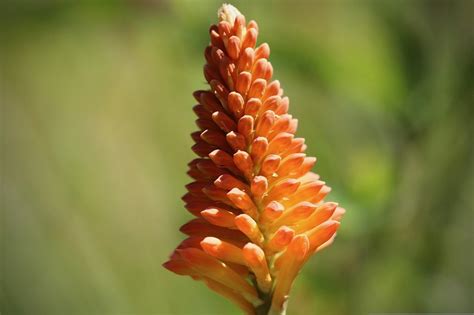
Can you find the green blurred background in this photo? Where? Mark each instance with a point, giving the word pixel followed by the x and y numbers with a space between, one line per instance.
pixel 96 116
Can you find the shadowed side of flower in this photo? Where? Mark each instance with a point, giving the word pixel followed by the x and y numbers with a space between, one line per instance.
pixel 259 210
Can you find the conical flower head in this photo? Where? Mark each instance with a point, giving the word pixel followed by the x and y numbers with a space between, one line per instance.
pixel 260 211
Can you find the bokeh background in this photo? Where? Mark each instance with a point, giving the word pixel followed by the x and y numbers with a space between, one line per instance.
pixel 96 116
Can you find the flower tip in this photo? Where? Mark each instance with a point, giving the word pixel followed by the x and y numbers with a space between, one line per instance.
pixel 227 12
pixel 253 253
pixel 179 267
pixel 338 214
pixel 210 245
pixel 299 246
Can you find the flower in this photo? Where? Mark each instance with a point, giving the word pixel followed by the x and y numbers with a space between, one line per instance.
pixel 259 209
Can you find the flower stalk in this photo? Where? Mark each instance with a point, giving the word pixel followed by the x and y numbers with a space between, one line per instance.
pixel 259 210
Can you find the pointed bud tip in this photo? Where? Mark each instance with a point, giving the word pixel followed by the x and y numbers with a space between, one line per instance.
pixel 228 13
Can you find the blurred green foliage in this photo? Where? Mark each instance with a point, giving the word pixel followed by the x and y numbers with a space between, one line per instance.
pixel 96 116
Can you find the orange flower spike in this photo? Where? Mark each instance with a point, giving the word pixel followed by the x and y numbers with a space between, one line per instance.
pixel 259 210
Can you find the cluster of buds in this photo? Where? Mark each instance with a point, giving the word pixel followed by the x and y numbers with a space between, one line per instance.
pixel 259 209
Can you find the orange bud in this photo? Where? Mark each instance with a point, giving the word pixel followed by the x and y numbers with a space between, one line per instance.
pixel 282 124
pixel 262 51
pixel 242 201
pixel 202 148
pixel 249 227
pixel 246 60
pixel 250 38
pixel 214 137
pixel 180 267
pixel 195 187
pixel 253 107
pixel 280 239
pixel 291 163
pixel 256 261
pixel 228 182
pixel 258 186
pixel 306 191
pixel 271 103
pixel 200 227
pixel 222 250
pixel 270 164
pixel 252 24
pixel 219 217
pixel 244 163
pixel 283 107
pixel 269 74
pixel 222 159
pixel 220 91
pixel 224 29
pixel 323 192
pixel 259 68
pixel 235 102
pixel 244 80
pixel 236 141
pixel 233 47
pixel 265 123
pixel 257 88
pixel 216 194
pixel 273 90
pixel 271 212
pixel 280 143
pixel 210 102
pixel 202 112
pixel 283 189
pixel 259 148
pixel 239 26
pixel 209 168
pixel 322 233
pixel 245 127
pixel 338 214
pixel 224 122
